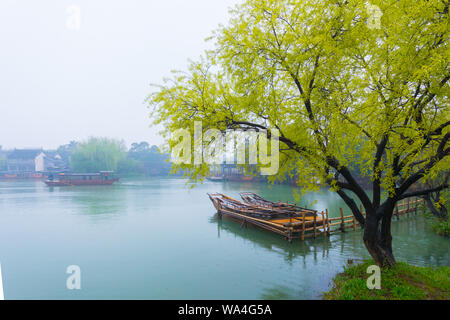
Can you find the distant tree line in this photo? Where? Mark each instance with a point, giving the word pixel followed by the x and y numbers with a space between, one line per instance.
pixel 96 154
pixel 145 159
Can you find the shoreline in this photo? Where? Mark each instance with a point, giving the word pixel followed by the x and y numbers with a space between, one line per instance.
pixel 401 282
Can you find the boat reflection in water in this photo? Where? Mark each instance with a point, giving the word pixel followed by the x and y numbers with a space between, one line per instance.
pixel 82 179
pixel 314 248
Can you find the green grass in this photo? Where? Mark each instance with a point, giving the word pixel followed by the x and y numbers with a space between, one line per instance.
pixel 402 282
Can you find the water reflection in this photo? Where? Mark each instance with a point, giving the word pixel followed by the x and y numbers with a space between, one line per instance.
pixel 95 202
pixel 109 202
pixel 273 242
pixel 158 239
pixel 279 293
pixel 413 242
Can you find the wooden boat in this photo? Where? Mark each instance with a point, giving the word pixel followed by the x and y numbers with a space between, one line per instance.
pixel 254 199
pixel 223 202
pixel 82 179
pixel 284 221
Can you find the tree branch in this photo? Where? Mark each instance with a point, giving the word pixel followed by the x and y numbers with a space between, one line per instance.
pixel 352 205
pixel 423 192
pixel 354 186
pixel 440 154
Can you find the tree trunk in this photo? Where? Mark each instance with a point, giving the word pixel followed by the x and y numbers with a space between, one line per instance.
pixel 377 235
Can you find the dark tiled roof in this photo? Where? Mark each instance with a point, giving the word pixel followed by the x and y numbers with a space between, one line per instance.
pixel 24 154
pixel 52 155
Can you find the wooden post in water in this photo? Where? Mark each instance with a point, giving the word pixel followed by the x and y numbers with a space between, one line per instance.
pixel 407 210
pixel 328 222
pixel 303 225
pixel 354 223
pixel 323 225
pixel 422 202
pixel 361 210
pixel 342 219
pixel 219 211
pixel 314 226
pixel 416 204
pixel 396 211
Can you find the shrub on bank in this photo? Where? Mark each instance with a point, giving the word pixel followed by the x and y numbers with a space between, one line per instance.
pixel 401 282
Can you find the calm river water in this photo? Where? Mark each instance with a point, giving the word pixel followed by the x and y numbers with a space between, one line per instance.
pixel 158 239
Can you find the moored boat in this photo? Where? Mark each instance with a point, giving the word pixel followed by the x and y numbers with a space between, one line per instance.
pixel 222 202
pixel 254 199
pixel 264 209
pixel 288 220
pixel 82 179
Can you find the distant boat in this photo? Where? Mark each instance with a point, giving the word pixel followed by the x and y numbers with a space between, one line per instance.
pixel 82 179
pixel 216 178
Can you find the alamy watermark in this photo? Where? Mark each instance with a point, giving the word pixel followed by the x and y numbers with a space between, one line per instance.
pixel 74 280
pixel 215 147
pixel 374 12
pixel 73 20
pixel 374 281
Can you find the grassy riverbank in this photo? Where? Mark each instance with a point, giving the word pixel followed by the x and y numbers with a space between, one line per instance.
pixel 402 282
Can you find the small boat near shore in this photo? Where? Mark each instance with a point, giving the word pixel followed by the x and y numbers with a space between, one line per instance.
pixel 288 220
pixel 256 200
pixel 222 202
pixel 82 179
pixel 10 176
pixel 22 176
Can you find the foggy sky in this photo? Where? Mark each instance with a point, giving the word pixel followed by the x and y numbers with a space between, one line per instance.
pixel 58 84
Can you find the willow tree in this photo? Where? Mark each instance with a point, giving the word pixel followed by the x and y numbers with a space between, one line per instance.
pixel 97 154
pixel 346 83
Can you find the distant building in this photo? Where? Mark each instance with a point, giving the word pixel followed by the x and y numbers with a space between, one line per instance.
pixel 33 160
pixel 233 172
pixel 24 160
pixel 53 162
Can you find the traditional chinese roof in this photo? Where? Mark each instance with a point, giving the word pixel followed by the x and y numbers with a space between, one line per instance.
pixel 24 154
